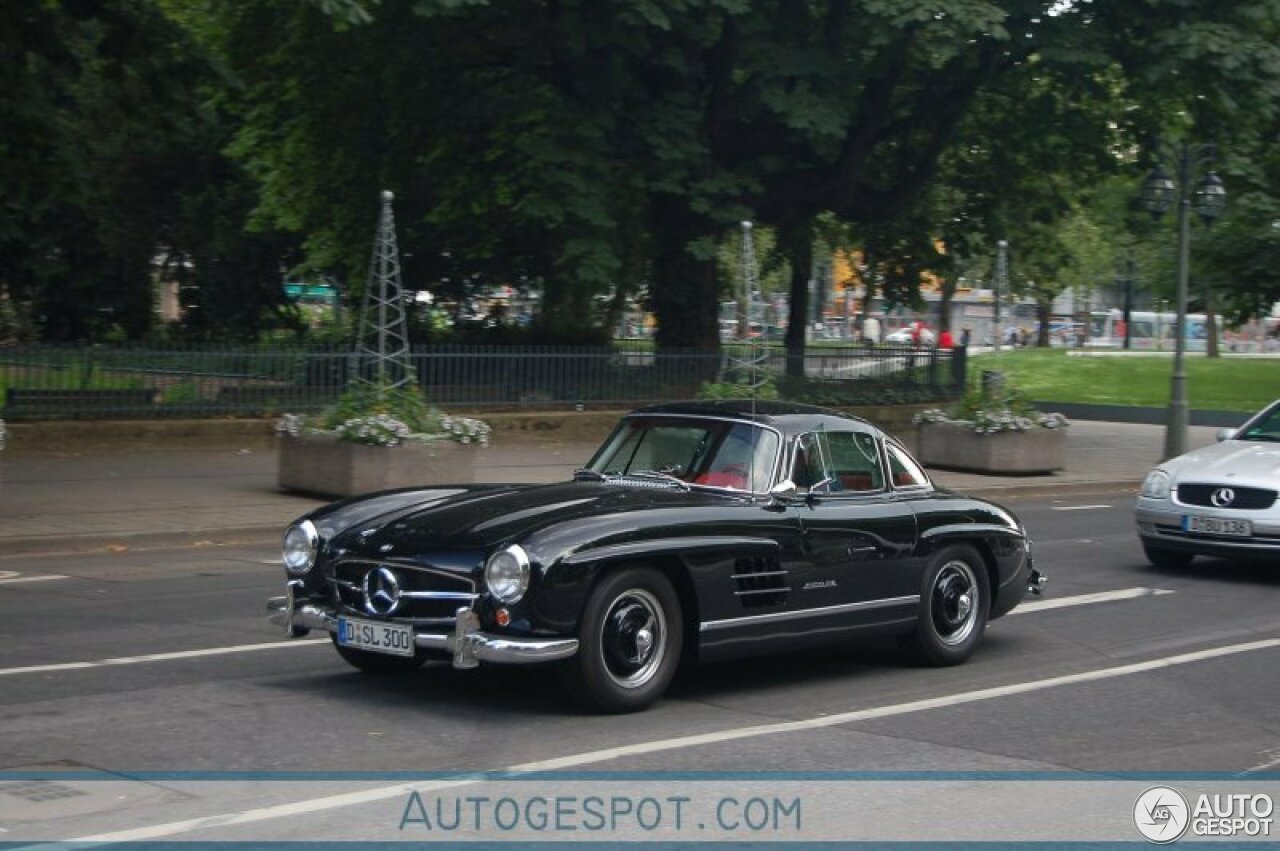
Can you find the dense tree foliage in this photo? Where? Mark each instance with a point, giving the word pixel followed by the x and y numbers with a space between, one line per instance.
pixel 595 151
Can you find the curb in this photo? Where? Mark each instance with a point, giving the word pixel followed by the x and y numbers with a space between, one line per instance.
pixel 1037 489
pixel 94 542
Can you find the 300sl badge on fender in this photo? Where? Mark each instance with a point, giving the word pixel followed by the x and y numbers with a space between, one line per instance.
pixel 698 531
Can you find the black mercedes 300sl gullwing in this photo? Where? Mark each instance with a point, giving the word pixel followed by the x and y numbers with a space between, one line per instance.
pixel 699 531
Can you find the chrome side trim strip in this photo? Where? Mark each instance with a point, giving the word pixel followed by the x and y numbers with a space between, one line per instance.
pixel 770 617
pixel 761 573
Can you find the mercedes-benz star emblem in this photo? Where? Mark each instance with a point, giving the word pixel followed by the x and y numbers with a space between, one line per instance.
pixel 1223 497
pixel 381 592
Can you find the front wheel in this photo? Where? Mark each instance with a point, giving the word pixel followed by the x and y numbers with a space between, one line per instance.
pixel 629 641
pixel 377 663
pixel 955 601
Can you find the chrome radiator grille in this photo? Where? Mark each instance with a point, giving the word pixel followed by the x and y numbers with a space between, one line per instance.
pixel 402 592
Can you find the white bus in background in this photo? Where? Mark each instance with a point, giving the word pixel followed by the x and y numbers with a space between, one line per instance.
pixel 1150 331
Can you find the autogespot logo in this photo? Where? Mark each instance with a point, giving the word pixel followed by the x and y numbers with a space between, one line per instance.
pixel 1161 814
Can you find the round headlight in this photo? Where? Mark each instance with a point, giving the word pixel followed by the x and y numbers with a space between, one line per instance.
pixel 301 543
pixel 507 574
pixel 1156 485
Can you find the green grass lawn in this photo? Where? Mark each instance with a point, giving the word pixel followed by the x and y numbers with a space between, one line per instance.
pixel 1051 375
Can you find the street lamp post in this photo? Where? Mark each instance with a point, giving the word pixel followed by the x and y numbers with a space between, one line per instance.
pixel 1208 199
pixel 1001 281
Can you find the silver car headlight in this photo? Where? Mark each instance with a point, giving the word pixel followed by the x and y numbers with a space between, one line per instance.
pixel 506 574
pixel 301 544
pixel 1156 485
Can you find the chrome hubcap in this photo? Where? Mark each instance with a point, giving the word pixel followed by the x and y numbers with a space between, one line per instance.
pixel 633 638
pixel 955 602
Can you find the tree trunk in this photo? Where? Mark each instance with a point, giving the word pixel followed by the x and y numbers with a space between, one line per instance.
pixel 685 291
pixel 796 243
pixel 944 307
pixel 1044 313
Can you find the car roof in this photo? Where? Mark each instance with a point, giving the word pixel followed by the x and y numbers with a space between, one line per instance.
pixel 787 417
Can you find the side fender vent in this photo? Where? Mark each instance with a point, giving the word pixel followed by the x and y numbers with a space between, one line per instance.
pixel 759 582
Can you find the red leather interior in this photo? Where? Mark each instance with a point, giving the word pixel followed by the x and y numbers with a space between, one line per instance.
pixel 723 479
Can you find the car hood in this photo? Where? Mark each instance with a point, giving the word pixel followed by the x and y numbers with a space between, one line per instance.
pixel 1239 462
pixel 481 516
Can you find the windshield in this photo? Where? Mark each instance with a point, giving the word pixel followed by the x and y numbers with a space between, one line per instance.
pixel 1265 427
pixel 735 455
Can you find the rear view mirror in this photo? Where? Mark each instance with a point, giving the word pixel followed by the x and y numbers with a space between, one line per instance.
pixel 1226 434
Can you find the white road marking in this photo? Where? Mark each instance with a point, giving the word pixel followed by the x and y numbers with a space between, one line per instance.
pixel 1271 760
pixel 157 831
pixel 160 657
pixel 1024 607
pixel 1079 507
pixel 12 577
pixel 1029 606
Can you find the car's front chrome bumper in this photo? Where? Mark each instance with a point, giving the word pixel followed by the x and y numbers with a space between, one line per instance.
pixel 466 643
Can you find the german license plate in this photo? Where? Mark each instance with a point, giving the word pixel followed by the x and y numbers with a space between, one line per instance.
pixel 1216 526
pixel 392 638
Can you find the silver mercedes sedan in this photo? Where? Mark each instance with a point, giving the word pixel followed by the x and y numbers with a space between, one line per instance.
pixel 1218 501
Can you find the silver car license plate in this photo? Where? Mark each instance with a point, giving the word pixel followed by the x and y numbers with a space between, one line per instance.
pixel 1216 526
pixel 391 638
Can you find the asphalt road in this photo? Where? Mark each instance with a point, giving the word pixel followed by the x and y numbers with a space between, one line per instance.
pixel 1166 671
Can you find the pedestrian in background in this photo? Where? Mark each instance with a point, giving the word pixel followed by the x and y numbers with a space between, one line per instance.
pixel 871 331
pixel 965 336
pixel 945 340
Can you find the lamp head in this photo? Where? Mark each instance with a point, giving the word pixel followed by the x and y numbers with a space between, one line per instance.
pixel 1210 199
pixel 1158 192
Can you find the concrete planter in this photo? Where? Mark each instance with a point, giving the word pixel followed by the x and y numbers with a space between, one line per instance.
pixel 956 446
pixel 324 465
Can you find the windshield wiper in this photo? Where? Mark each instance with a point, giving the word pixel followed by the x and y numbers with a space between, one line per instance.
pixel 654 474
pixel 1265 438
pixel 584 475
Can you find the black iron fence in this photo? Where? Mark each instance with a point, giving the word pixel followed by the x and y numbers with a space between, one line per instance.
pixel 115 382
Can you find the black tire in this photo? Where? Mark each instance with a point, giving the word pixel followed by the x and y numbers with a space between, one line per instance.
pixel 377 663
pixel 955 601
pixel 629 642
pixel 1166 559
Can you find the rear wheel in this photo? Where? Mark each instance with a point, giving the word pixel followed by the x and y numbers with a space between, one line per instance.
pixel 955 600
pixel 1166 559
pixel 377 663
pixel 629 641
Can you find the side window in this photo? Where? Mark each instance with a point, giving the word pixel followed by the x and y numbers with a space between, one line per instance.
pixel 904 469
pixel 855 462
pixel 808 468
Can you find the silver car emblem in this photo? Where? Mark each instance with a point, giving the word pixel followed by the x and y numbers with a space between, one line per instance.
pixel 381 592
pixel 1223 497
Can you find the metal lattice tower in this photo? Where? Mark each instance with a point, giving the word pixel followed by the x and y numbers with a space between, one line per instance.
pixel 382 337
pixel 748 364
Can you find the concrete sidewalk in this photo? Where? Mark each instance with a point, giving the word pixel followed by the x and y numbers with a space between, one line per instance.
pixel 220 494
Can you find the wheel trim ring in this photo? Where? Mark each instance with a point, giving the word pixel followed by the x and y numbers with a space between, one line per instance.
pixel 657 626
pixel 955 580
